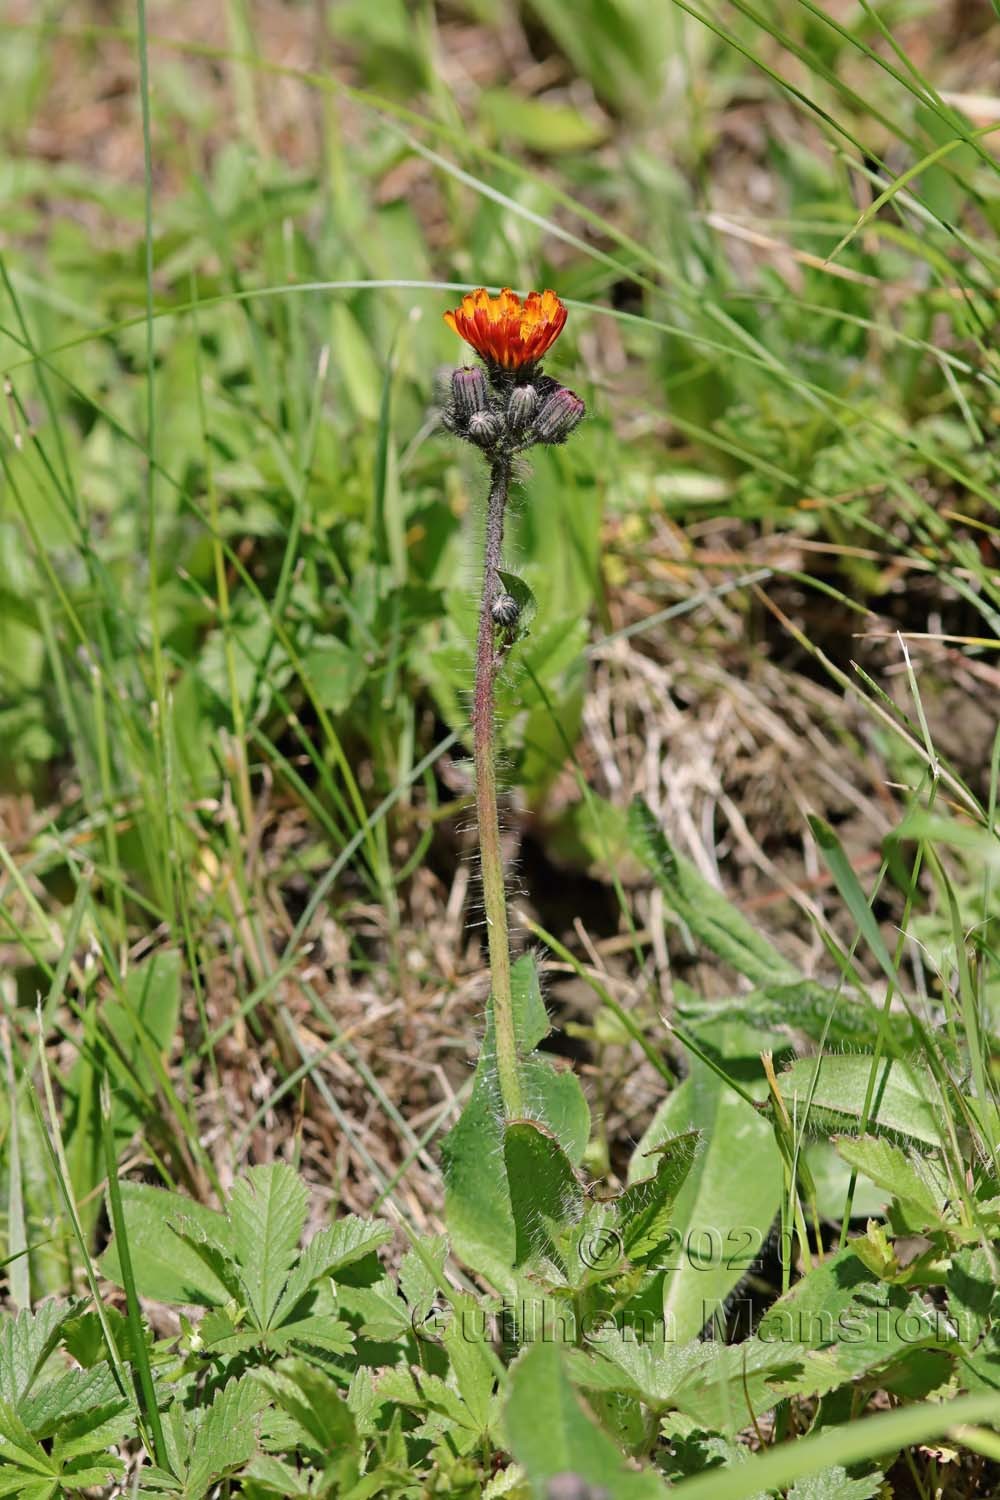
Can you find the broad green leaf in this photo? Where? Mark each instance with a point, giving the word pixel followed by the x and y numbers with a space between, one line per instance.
pixel 267 1214
pixel 703 908
pixel 319 1331
pixel 69 1395
pixel 545 1195
pixel 836 1019
pixel 725 1208
pixel 166 1268
pixel 477 1202
pixel 903 1101
pixel 336 672
pixel 971 1292
pixel 732 1383
pixel 18 1447
pixel 427 1393
pixel 645 1210
pixel 550 1433
pixel 865 1325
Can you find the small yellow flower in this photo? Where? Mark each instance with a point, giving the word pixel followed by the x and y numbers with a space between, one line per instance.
pixel 506 332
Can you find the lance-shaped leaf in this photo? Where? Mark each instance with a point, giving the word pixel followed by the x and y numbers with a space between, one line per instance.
pixel 545 1195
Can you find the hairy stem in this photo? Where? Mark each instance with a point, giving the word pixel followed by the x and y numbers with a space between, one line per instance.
pixel 484 750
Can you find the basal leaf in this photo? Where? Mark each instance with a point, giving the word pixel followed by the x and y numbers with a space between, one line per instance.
pixel 544 1192
pixel 477 1201
pixel 725 1207
pixel 903 1100
pixel 165 1267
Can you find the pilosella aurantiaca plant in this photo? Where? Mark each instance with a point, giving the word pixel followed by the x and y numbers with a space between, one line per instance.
pixel 502 406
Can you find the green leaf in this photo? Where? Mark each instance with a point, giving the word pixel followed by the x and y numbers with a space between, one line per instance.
pixel 865 1325
pixel 227 1434
pixel 477 1202
pixel 545 1195
pixel 70 1395
pixel 836 1484
pixel 854 897
pixel 335 671
pixel 166 1268
pixel 267 1214
pixel 26 1341
pixel 329 1251
pixel 645 1209
pixel 541 126
pixel 551 1434
pixel 703 908
pixel 971 1292
pixel 729 1384
pixel 723 1211
pixel 903 1101
pixel 902 1177
pixel 469 1357
pixel 310 1397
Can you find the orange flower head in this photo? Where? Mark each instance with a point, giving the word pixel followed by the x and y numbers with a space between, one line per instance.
pixel 506 332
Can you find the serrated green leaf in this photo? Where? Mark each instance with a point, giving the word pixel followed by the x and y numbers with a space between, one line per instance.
pixel 26 1341
pixel 329 1251
pixel 645 1208
pixel 267 1214
pixel 227 1435
pixel 311 1398
pixel 836 1484
pixel 887 1166
pixel 69 1395
pixel 465 1341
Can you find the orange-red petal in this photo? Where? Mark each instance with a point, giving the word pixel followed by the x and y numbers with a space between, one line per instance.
pixel 503 330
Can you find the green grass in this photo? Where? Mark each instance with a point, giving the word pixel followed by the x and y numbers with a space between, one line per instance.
pixel 237 571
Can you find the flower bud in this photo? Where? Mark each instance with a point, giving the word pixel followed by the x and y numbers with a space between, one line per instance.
pixel 506 611
pixel 559 415
pixel 468 390
pixel 484 429
pixel 521 408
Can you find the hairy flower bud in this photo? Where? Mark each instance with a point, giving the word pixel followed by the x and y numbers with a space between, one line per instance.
pixel 506 611
pixel 559 415
pixel 521 407
pixel 483 429
pixel 468 390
